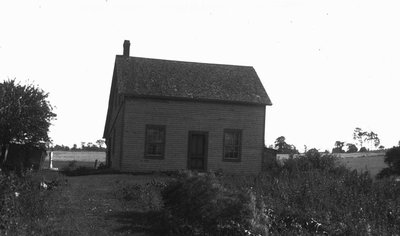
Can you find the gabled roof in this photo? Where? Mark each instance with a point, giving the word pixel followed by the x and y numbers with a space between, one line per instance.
pixel 188 80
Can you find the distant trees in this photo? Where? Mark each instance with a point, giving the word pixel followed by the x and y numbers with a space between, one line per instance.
pixel 338 147
pixel 85 146
pixel 100 142
pixel 351 148
pixel 283 147
pixel 362 137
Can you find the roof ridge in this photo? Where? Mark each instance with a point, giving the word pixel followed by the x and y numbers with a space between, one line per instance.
pixel 188 62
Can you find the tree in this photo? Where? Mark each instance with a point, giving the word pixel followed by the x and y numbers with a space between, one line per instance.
pixel 100 143
pixel 359 136
pixel 25 114
pixel 381 147
pixel 283 147
pixel 392 159
pixel 351 148
pixel 366 137
pixel 363 149
pixel 280 143
pixel 372 138
pixel 338 147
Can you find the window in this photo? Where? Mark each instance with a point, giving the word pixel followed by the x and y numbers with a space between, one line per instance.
pixel 155 141
pixel 232 144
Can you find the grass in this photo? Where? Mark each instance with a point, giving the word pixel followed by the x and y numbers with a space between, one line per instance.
pixel 372 164
pixel 62 159
pixel 25 202
pixel 311 195
pixel 307 198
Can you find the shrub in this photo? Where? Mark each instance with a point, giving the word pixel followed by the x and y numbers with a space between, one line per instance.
pixel 72 165
pixel 312 160
pixel 392 159
pixel 202 205
pixel 143 196
pixel 325 202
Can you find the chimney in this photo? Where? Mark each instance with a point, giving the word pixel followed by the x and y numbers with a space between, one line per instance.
pixel 127 44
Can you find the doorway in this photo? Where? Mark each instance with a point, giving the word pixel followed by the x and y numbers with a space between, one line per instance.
pixel 197 150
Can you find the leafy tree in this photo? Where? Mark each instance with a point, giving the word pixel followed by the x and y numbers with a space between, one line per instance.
pixel 100 143
pixel 338 147
pixel 359 136
pixel 363 149
pixel 366 137
pixel 381 147
pixel 351 148
pixel 392 159
pixel 283 147
pixel 25 114
pixel 280 143
pixel 373 139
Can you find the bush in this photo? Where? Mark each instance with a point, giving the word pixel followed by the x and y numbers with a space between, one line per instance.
pixel 143 196
pixel 202 205
pixel 73 169
pixel 325 202
pixel 392 159
pixel 312 160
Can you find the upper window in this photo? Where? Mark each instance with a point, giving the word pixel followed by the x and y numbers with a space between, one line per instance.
pixel 155 141
pixel 232 144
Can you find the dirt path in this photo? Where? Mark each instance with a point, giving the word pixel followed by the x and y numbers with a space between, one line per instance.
pixel 89 205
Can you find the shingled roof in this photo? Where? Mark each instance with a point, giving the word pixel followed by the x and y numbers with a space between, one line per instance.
pixel 188 80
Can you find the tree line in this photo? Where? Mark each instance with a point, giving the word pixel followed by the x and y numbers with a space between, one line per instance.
pixel 85 146
pixel 364 141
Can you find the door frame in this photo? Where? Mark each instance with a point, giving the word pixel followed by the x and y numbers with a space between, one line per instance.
pixel 205 133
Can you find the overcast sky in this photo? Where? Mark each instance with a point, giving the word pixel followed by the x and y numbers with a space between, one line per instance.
pixel 328 66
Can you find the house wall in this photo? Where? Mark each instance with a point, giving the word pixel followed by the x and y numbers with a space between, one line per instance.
pixel 180 117
pixel 116 141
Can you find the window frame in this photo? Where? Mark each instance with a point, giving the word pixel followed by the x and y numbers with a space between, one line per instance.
pixel 146 141
pixel 240 133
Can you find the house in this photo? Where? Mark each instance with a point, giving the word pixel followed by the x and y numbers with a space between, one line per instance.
pixel 168 115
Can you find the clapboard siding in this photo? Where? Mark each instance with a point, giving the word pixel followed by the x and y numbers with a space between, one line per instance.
pixel 180 117
pixel 117 140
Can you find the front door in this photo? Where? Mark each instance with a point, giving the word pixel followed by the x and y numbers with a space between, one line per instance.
pixel 197 150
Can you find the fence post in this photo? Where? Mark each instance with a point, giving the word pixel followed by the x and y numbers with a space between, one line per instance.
pixel 51 160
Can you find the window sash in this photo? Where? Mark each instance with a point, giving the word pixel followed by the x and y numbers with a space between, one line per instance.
pixel 232 144
pixel 155 141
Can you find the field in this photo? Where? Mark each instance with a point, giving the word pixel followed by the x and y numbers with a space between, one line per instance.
pixel 360 161
pixel 87 159
pixel 371 163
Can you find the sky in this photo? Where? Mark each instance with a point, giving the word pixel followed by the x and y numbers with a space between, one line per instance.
pixel 328 66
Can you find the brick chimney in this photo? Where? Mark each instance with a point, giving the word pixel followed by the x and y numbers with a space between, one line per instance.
pixel 127 45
